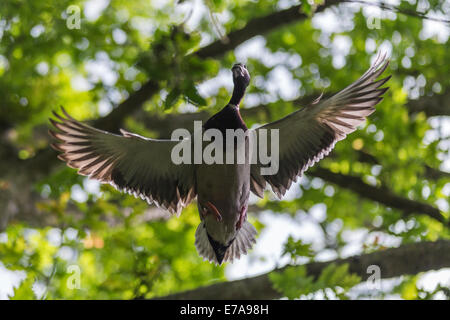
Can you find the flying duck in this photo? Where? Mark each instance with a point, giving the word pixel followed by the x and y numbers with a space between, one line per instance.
pixel 144 168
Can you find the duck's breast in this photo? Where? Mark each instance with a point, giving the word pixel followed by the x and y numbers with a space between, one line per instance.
pixel 226 186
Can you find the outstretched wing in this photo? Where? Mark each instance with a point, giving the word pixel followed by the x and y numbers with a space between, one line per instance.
pixel 309 134
pixel 131 163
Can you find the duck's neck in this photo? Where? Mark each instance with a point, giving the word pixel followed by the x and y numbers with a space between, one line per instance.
pixel 229 117
pixel 238 94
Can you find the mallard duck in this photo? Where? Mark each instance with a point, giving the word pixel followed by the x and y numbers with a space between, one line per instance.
pixel 143 167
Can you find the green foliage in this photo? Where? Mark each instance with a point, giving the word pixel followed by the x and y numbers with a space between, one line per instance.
pixel 170 62
pixel 132 261
pixel 296 248
pixel 294 282
pixel 24 291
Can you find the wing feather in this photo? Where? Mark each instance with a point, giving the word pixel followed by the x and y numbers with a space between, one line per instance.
pixel 131 163
pixel 309 134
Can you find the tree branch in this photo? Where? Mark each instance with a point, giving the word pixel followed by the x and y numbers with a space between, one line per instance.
pixel 381 195
pixel 408 259
pixel 434 105
pixel 260 26
pixel 430 173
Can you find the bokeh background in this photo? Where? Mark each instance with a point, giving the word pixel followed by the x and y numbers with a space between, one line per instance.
pixel 151 66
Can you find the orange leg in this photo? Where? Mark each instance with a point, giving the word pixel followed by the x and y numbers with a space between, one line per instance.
pixel 214 210
pixel 242 216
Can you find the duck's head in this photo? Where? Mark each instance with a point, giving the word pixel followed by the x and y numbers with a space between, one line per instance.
pixel 241 77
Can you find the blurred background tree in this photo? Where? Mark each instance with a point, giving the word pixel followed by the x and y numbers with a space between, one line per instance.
pixel 381 199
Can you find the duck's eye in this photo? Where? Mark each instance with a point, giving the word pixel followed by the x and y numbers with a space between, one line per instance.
pixel 245 66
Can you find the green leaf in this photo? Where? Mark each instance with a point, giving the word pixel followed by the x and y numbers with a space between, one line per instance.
pixel 296 248
pixel 292 282
pixel 194 97
pixel 25 290
pixel 338 275
pixel 172 98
